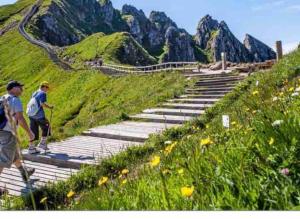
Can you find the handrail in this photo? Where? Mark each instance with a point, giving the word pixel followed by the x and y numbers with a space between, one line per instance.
pixel 151 68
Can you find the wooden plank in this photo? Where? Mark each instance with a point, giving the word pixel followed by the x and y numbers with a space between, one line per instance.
pixel 187 106
pixel 162 118
pixel 175 112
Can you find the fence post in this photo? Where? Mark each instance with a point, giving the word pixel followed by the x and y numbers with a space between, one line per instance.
pixel 224 64
pixel 279 51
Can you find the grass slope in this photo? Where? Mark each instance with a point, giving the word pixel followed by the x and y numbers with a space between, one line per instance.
pixel 116 48
pixel 254 165
pixel 82 99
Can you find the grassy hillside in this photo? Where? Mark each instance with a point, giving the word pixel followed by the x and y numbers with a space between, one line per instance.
pixel 82 99
pixel 116 48
pixel 254 165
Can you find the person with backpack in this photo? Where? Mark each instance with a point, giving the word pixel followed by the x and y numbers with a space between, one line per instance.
pixel 36 113
pixel 9 153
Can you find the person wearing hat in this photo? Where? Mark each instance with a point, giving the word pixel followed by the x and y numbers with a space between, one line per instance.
pixel 9 153
pixel 39 120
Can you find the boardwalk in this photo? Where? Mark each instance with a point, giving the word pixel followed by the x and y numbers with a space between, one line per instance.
pixel 95 144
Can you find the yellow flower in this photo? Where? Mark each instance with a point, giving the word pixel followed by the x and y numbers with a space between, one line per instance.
pixel 206 142
pixel 254 111
pixel 43 200
pixel 155 161
pixel 70 194
pixel 207 126
pixel 271 142
pixel 187 191
pixel 125 171
pixel 247 109
pixel 124 181
pixel 103 181
pixel 181 171
pixel 170 148
pixel 233 123
pixel 291 89
pixel 166 171
pixel 255 93
pixel 281 94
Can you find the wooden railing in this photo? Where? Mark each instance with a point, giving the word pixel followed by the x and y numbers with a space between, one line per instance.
pixel 169 66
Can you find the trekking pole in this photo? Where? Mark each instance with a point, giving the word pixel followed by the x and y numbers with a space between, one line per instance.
pixel 49 126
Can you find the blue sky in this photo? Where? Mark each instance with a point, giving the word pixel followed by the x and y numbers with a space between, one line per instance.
pixel 267 20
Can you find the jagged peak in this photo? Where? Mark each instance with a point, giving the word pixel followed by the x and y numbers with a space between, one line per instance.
pixel 105 3
pixel 223 25
pixel 131 10
pixel 207 21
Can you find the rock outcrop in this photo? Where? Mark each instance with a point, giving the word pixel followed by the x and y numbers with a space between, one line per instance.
pixel 260 51
pixel 67 22
pixel 178 46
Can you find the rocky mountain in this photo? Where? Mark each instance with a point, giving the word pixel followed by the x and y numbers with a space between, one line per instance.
pixel 66 22
pixel 259 50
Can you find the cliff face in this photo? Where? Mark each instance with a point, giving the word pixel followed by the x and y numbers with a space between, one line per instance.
pixel 217 38
pixel 65 22
pixel 260 51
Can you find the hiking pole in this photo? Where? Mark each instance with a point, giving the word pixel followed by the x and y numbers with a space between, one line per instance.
pixel 49 126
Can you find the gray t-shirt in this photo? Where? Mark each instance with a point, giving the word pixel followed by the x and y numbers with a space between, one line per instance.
pixel 15 106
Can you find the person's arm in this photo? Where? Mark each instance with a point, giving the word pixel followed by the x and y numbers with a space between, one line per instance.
pixel 46 105
pixel 22 122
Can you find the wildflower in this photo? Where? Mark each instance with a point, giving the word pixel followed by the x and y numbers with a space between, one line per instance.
pixel 277 123
pixel 124 182
pixel 103 181
pixel 207 126
pixel 189 136
pixel 166 171
pixel 271 142
pixel 255 93
pixel 291 89
pixel 43 200
pixel 275 99
pixel 233 123
pixel 181 171
pixel 168 142
pixel 187 191
pixel 254 112
pixel 206 142
pixel 155 161
pixel 70 194
pixel 170 148
pixel 297 89
pixel 285 171
pixel 281 94
pixel 295 94
pixel 247 109
pixel 125 171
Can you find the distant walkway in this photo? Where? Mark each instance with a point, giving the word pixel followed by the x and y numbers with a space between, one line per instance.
pixel 95 144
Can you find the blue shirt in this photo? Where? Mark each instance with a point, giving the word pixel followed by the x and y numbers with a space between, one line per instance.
pixel 41 97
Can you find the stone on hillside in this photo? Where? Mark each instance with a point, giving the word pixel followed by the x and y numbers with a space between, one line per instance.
pixel 216 66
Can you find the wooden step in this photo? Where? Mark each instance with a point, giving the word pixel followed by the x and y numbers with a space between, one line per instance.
pixel 210 89
pixel 11 178
pixel 219 80
pixel 205 96
pixel 138 133
pixel 80 150
pixel 191 91
pixel 187 106
pixel 225 85
pixel 162 118
pixel 193 100
pixel 173 112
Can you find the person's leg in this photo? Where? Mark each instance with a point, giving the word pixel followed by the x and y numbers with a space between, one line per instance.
pixel 25 172
pixel 34 127
pixel 46 131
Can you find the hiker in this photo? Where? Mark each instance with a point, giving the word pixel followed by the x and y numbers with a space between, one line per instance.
pixel 9 153
pixel 36 113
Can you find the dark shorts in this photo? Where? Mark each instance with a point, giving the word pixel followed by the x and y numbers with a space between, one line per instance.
pixel 35 124
pixel 8 149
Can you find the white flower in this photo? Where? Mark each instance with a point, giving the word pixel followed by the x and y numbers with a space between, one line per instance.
pixel 257 83
pixel 168 142
pixel 275 99
pixel 277 123
pixel 295 94
pixel 297 89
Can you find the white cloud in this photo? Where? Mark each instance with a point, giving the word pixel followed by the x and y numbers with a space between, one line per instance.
pixel 289 47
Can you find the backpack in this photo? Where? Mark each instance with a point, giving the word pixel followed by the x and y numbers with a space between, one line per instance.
pixel 3 119
pixel 33 106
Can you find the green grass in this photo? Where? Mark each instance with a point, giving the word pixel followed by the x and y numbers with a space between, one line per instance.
pixel 7 11
pixel 240 170
pixel 82 99
pixel 110 47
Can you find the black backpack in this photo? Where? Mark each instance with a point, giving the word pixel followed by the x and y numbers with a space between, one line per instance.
pixel 3 119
